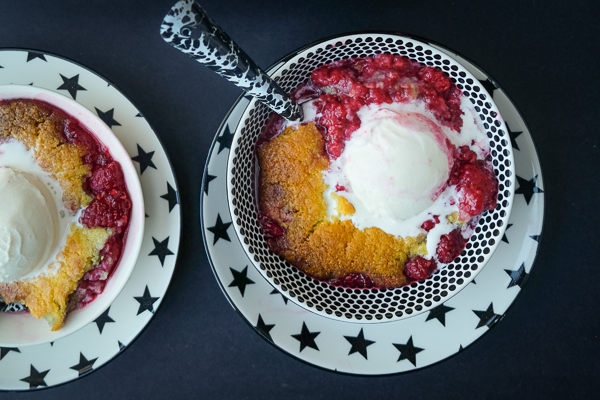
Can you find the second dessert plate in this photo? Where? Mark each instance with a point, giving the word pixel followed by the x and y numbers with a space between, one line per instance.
pixel 78 354
pixel 387 347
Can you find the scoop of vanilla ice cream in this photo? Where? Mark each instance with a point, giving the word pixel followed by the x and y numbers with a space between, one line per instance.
pixel 28 224
pixel 396 164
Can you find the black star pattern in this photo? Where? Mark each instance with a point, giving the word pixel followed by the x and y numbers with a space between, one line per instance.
pixel 439 313
pixel 473 282
pixel 103 319
pixel 220 230
pixel 121 346
pixel 489 85
pixel 513 136
pixel 146 302
pixel 518 277
pixel 35 377
pixel 307 338
pixel 84 365
pixel 5 350
pixel 161 250
pixel 264 329
pixel 51 344
pixel 107 117
pixel 527 188
pixel 32 55
pixel 460 349
pixel 504 238
pixel 487 317
pixel 535 237
pixel 359 344
pixel 71 85
pixel 285 299
pixel 145 159
pixel 240 279
pixel 408 351
pixel 171 196
pixel 225 139
pixel 208 178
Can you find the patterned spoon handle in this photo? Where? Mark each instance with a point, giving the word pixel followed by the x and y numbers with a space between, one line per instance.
pixel 215 49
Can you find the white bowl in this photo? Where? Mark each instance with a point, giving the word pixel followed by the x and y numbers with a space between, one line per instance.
pixel 21 329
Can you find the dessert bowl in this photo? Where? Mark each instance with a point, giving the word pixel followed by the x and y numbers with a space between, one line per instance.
pixel 21 328
pixel 368 305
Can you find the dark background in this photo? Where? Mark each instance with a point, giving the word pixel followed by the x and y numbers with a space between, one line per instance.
pixel 543 53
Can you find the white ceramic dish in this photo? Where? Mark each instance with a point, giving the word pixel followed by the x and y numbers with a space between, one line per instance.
pixel 21 329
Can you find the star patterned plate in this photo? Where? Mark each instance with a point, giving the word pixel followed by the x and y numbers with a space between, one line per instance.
pixel 45 365
pixel 387 347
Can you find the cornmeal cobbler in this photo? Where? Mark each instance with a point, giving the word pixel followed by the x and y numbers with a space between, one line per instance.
pixel 93 186
pixel 294 163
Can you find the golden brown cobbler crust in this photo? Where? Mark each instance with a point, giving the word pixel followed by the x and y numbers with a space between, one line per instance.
pixel 291 193
pixel 38 130
pixel 47 294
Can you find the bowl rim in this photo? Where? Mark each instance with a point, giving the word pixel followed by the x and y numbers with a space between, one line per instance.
pixel 275 70
pixel 79 318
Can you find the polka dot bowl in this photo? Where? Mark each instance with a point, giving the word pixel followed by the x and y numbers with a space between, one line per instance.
pixel 368 305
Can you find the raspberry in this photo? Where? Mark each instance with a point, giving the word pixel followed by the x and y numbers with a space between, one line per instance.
pixel 109 209
pixel 358 281
pixel 477 188
pixel 106 178
pixel 450 246
pixel 270 228
pixel 418 268
pixel 110 254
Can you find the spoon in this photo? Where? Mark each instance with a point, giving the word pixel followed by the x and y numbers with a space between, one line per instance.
pixel 215 49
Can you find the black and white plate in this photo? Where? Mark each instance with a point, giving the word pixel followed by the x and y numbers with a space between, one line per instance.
pixel 387 347
pixel 76 355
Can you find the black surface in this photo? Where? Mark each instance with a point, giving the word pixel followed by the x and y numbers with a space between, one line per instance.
pixel 543 53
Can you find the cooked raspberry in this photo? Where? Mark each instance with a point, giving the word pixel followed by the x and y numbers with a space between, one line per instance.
pixel 464 153
pixel 87 291
pixel 477 188
pixel 270 228
pixel 110 255
pixel 418 268
pixel 358 281
pixel 436 78
pixel 106 178
pixel 109 209
pixel 450 246
pixel 428 225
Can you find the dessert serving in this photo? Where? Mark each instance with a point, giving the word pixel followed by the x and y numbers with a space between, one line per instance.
pixel 393 192
pixel 65 210
pixel 385 179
